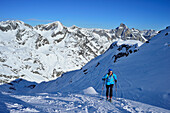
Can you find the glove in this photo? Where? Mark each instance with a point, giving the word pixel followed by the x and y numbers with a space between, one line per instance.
pixel 115 80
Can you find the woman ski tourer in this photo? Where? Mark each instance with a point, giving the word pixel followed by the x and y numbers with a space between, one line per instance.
pixel 110 79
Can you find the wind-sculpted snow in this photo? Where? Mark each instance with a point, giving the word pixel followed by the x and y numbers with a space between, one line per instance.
pixel 45 52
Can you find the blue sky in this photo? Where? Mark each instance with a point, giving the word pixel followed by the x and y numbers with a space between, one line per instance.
pixel 106 14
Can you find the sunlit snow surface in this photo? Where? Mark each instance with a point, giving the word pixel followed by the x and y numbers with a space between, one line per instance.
pixel 65 102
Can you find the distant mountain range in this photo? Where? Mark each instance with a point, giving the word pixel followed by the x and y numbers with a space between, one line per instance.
pixel 44 52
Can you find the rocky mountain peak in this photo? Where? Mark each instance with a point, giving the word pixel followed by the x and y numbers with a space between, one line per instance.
pixel 13 22
pixel 122 25
pixel 55 24
pixel 74 27
pixel 50 26
pixel 13 25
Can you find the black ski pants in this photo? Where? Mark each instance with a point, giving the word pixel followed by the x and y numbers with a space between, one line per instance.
pixel 109 88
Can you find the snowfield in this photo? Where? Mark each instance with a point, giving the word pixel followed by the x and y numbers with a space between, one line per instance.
pixel 70 102
pixel 143 83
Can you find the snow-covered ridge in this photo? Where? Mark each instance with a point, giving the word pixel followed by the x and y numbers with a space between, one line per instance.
pixel 44 52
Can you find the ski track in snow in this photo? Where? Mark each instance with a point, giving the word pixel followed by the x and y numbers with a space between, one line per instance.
pixel 49 102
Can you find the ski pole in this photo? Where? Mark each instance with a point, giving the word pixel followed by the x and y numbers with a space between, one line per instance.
pixel 116 89
pixel 102 88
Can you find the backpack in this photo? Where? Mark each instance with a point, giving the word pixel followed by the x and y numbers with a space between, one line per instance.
pixel 112 76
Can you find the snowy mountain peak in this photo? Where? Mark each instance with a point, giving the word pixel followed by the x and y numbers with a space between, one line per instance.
pixel 122 26
pixel 74 27
pixel 51 26
pixel 12 22
pixel 55 24
pixel 13 25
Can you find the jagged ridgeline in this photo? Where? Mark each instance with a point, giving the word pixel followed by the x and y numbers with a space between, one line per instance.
pixel 44 52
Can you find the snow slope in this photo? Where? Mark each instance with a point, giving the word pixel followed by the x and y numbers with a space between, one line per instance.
pixel 143 83
pixel 70 103
pixel 142 76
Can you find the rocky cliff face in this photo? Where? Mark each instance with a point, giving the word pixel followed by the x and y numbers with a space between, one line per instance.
pixel 44 52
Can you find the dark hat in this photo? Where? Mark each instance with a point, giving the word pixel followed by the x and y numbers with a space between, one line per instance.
pixel 110 70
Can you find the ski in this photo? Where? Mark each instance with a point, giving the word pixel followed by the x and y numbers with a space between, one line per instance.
pixel 110 100
pixel 101 98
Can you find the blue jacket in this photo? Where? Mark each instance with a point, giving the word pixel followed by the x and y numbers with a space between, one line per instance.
pixel 110 79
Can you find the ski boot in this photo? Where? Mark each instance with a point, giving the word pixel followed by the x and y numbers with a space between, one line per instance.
pixel 107 98
pixel 110 100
